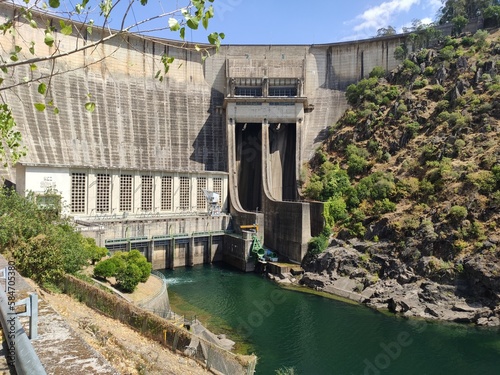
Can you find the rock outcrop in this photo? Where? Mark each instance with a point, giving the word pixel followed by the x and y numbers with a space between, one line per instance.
pixel 369 273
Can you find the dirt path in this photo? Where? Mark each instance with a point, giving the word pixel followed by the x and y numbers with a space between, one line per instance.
pixel 127 350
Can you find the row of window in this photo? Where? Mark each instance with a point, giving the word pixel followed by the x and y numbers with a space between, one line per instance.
pixel 103 192
pixel 273 91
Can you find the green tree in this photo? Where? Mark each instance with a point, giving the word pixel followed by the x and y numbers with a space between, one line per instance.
pixel 459 23
pixel 129 269
pixel 400 52
pixel 94 252
pixel 385 31
pixel 40 258
pixel 465 8
pixel 114 19
pixel 128 277
pixel 493 13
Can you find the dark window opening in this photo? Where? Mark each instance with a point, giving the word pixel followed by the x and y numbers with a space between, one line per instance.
pixel 283 91
pixel 248 91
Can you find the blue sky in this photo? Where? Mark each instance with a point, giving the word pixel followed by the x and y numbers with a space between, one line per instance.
pixel 285 21
pixel 312 21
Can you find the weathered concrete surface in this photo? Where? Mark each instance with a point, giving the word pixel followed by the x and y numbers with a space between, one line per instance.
pixel 60 350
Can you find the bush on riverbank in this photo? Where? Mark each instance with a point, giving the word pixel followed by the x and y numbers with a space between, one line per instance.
pixel 129 269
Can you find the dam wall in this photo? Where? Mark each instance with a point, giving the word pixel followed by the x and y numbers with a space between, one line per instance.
pixel 149 142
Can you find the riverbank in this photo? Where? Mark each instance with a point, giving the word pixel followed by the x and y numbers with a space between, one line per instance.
pixel 366 273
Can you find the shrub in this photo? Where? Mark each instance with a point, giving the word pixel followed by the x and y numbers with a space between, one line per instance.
pixel 106 268
pixel 335 210
pixel 447 53
pixel 94 252
pixel 436 92
pixel 425 188
pixel 457 213
pixel 377 72
pixel 480 37
pixel 41 259
pixel 313 188
pixel 410 68
pixel 317 244
pixel 351 117
pixel 372 146
pixel 407 187
pixel 420 83
pixel 413 128
pixel 429 71
pixel 129 268
pixel 383 206
pixel 377 186
pixel 128 277
pixel 467 41
pixel 485 181
pixel 400 52
pixel 355 93
pixel 356 159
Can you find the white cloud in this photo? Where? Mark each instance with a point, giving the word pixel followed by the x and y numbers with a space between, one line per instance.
pixel 380 15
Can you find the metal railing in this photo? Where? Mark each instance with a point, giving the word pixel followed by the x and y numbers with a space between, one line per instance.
pixel 20 351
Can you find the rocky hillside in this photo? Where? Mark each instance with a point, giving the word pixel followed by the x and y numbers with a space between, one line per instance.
pixel 411 180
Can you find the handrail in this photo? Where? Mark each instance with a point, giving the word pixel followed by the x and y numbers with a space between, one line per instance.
pixel 21 352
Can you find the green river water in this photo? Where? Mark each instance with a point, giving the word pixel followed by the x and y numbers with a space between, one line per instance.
pixel 318 335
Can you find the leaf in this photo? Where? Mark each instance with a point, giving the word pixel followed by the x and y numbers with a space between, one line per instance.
pixel 182 33
pixel 17 49
pixel 32 49
pixel 42 88
pixel 192 23
pixel 40 107
pixel 33 24
pixel 173 24
pixel 33 67
pixel 197 48
pixel 213 37
pixel 144 2
pixel 14 57
pixel 65 29
pixel 54 3
pixel 56 110
pixel 49 39
pixel 205 22
pixel 1 81
pixel 90 106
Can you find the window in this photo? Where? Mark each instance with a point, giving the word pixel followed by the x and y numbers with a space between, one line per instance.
pixel 166 193
pixel 103 190
pixel 147 193
pixel 248 91
pixel 126 193
pixel 217 182
pixel 283 91
pixel 201 201
pixel 78 190
pixel 184 200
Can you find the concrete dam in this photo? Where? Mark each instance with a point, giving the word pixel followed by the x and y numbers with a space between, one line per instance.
pixel 134 172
